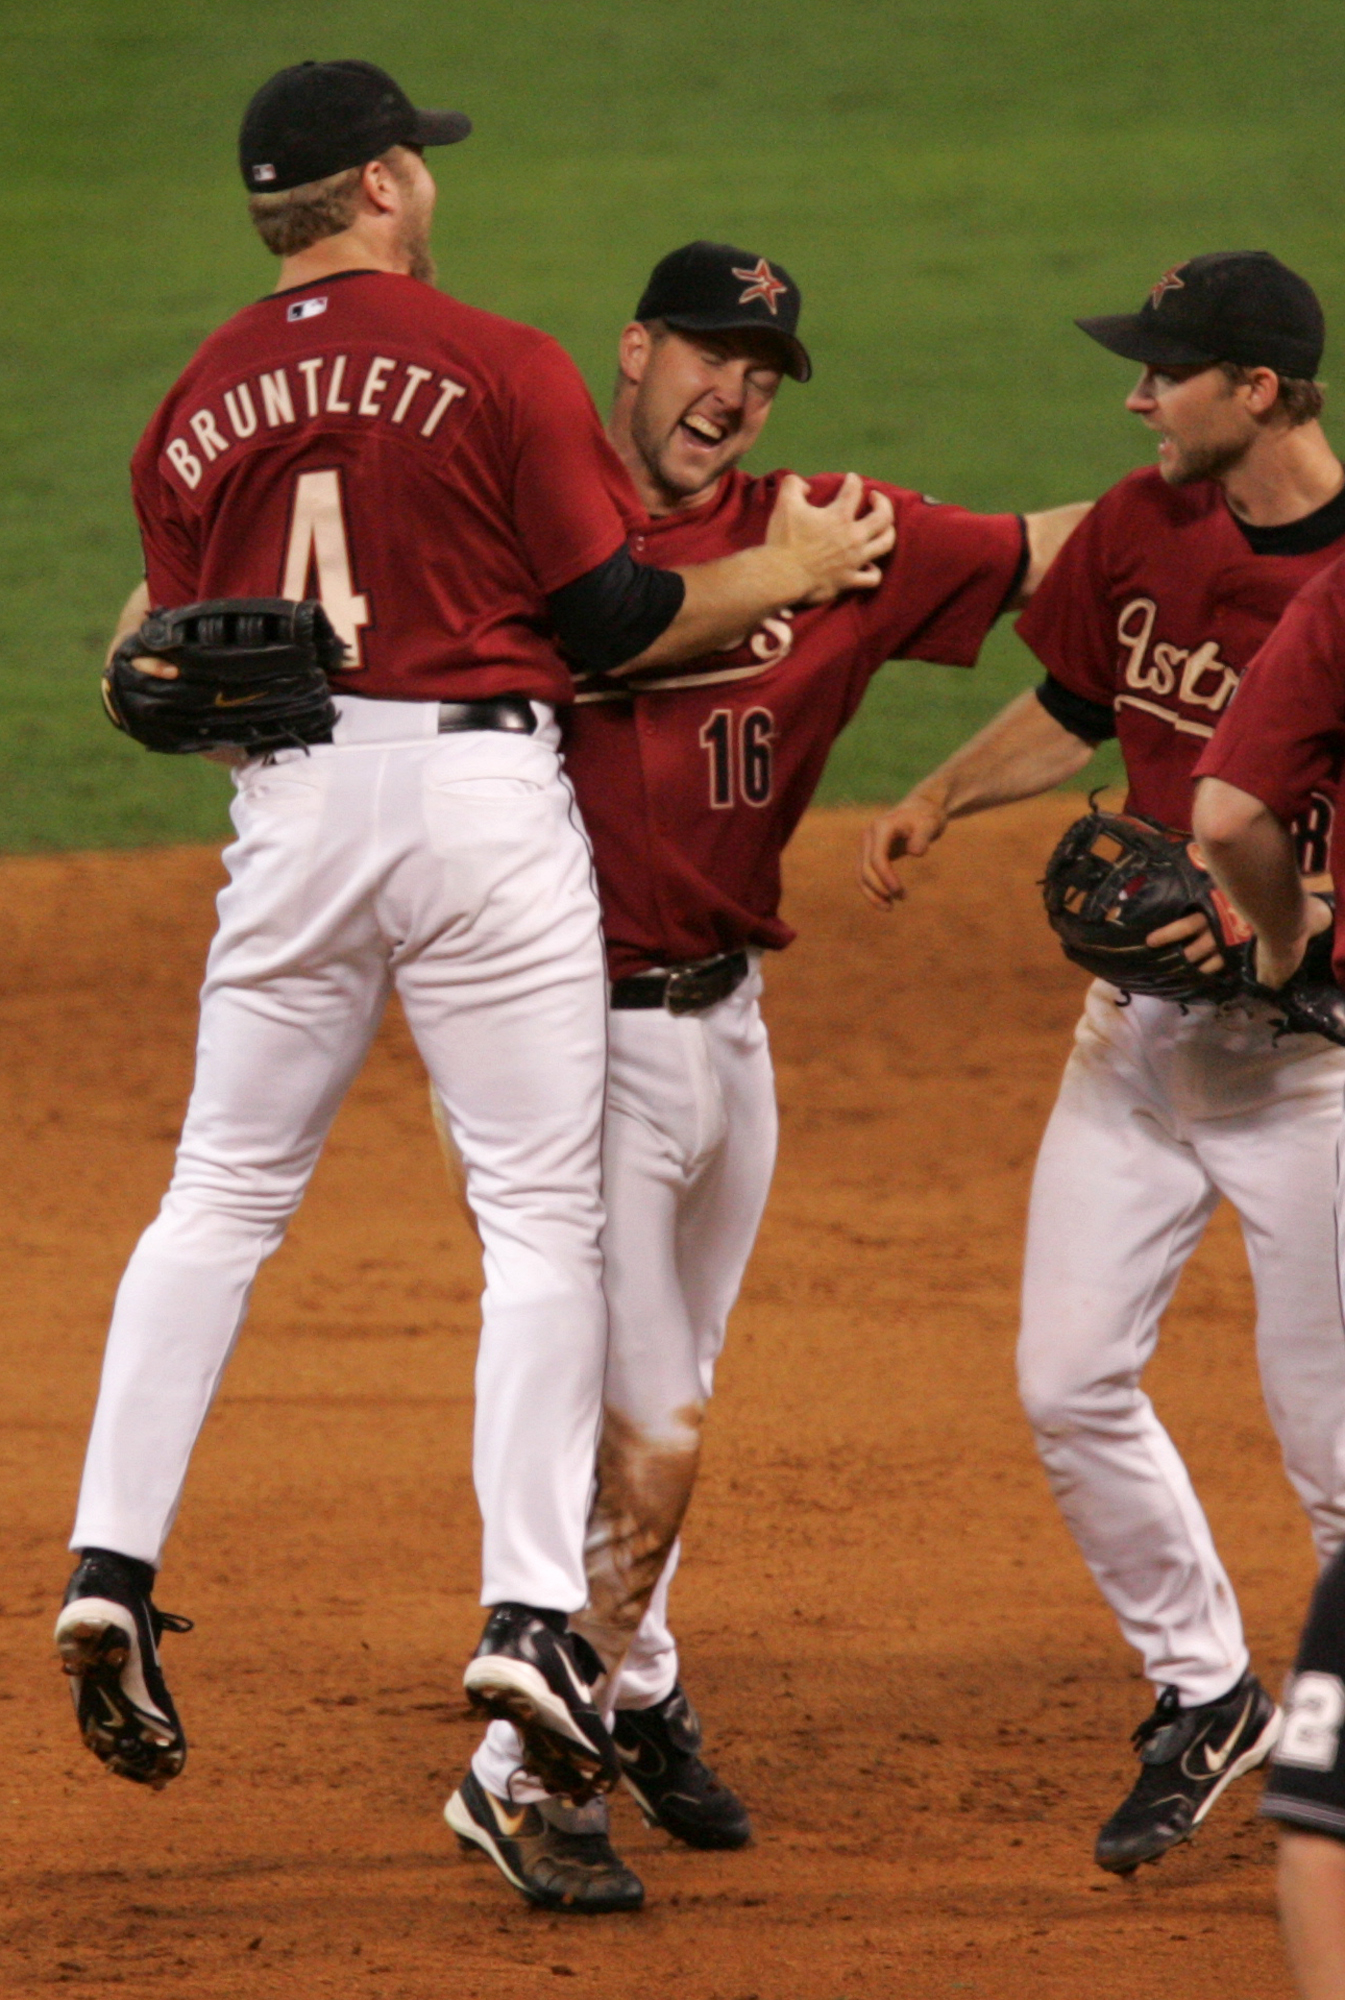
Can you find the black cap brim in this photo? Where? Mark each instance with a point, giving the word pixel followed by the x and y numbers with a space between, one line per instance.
pixel 796 361
pixel 440 128
pixel 1135 338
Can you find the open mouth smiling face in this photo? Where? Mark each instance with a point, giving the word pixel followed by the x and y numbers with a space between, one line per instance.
pixel 705 403
pixel 698 403
pixel 703 432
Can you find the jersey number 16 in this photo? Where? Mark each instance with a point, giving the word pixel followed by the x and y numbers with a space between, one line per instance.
pixel 748 773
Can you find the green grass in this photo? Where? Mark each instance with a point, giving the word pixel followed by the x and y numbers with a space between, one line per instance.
pixel 950 180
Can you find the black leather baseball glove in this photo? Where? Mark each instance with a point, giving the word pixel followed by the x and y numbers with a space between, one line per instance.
pixel 1311 1003
pixel 1116 877
pixel 251 676
pixel 1112 880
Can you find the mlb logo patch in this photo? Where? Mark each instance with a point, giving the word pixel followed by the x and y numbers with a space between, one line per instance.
pixel 263 173
pixel 305 309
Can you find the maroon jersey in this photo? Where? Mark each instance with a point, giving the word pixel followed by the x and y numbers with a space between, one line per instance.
pixel 691 790
pixel 1283 739
pixel 1155 605
pixel 431 472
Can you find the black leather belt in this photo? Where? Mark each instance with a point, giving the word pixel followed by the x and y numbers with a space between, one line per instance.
pixel 683 989
pixel 513 712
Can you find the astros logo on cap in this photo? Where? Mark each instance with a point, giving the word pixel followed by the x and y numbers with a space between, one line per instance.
pixel 1169 282
pixel 762 283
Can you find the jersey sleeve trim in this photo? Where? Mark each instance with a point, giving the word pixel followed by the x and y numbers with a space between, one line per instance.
pixel 1024 564
pixel 1093 722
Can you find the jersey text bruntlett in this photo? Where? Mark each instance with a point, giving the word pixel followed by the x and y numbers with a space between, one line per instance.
pixel 381 388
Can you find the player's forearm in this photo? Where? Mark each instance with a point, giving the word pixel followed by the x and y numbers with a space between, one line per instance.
pixel 133 613
pixel 1047 534
pixel 723 601
pixel 1020 752
pixel 1312 1910
pixel 1251 855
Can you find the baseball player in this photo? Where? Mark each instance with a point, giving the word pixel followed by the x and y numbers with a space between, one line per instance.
pixel 439 479
pixel 1283 740
pixel 690 788
pixel 1144 625
pixel 1306 1794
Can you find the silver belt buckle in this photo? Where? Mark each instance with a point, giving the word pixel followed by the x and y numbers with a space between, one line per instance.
pixel 682 993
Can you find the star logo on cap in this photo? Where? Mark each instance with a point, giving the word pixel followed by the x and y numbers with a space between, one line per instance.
pixel 1169 282
pixel 761 283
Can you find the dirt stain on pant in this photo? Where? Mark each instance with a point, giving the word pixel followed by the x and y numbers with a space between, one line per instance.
pixel 644 1485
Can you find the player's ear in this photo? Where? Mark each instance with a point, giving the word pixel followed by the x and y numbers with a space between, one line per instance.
pixel 1263 388
pixel 633 350
pixel 380 186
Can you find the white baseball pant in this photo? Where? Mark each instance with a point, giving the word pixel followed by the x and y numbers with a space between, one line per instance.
pixel 688 1153
pixel 1159 1114
pixel 454 869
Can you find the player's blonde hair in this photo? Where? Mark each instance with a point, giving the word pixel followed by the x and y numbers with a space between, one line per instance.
pixel 300 216
pixel 1300 399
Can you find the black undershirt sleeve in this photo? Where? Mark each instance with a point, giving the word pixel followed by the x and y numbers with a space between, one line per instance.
pixel 1024 559
pixel 611 613
pixel 1092 722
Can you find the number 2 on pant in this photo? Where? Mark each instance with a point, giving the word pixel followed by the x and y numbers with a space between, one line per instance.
pixel 1313 1714
pixel 750 772
pixel 318 544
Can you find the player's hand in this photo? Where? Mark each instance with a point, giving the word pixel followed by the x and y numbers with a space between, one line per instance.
pixel 164 670
pixel 1198 942
pixel 1275 967
pixel 910 828
pixel 838 546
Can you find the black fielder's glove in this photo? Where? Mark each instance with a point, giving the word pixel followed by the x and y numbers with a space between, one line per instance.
pixel 1116 877
pixel 1311 1003
pixel 251 676
pixel 1113 879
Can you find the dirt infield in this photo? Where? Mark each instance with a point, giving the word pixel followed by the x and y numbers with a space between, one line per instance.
pixel 901 1660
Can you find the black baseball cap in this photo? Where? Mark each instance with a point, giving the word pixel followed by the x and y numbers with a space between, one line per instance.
pixel 1232 305
pixel 711 287
pixel 317 118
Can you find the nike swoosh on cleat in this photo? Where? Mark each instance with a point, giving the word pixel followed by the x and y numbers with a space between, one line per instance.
pixel 583 1693
pixel 635 1760
pixel 1216 1759
pixel 508 1823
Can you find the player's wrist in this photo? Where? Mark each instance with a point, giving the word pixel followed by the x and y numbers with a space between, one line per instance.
pixel 1285 932
pixel 931 806
pixel 785 575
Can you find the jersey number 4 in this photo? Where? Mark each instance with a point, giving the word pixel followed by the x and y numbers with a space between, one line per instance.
pixel 743 768
pixel 319 547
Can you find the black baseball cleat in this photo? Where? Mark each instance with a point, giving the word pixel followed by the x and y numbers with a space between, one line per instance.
pixel 1188 1756
pixel 661 1766
pixel 530 1671
pixel 556 1854
pixel 107 1637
